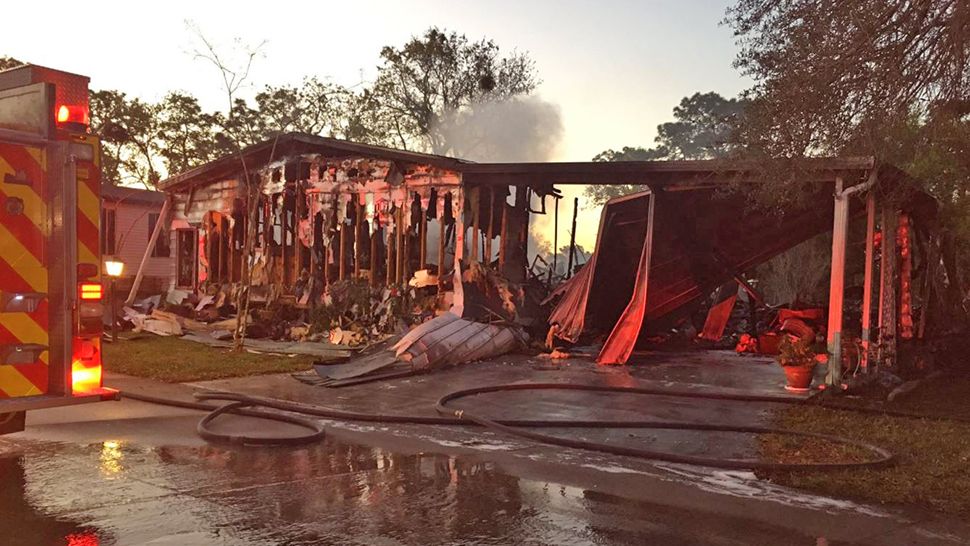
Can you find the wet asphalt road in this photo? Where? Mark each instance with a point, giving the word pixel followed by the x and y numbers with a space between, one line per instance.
pixel 149 480
pixel 118 493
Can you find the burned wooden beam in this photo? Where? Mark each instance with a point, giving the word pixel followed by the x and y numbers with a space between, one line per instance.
pixel 491 224
pixel 389 267
pixel 357 250
pixel 398 245
pixel 503 241
pixel 572 239
pixel 342 259
pixel 441 250
pixel 475 203
pixel 423 234
pixel 299 206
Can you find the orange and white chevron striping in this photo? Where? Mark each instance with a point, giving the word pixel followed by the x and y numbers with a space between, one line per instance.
pixel 24 259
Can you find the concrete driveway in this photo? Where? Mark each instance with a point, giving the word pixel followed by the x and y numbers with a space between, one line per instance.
pixel 135 473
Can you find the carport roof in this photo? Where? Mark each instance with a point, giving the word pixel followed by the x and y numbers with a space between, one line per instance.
pixel 654 173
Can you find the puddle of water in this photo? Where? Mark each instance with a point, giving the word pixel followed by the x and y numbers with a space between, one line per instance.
pixel 331 493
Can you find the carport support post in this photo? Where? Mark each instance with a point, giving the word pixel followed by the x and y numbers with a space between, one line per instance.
pixel 867 282
pixel 840 230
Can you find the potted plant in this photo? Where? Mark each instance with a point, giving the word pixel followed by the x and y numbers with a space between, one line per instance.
pixel 797 358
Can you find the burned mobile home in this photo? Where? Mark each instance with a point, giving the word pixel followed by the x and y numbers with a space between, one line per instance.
pixel 326 211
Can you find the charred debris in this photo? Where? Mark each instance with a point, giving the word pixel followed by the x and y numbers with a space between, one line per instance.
pixel 410 261
pixel 349 247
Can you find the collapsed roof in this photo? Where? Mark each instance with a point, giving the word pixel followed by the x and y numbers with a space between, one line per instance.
pixel 701 236
pixel 641 282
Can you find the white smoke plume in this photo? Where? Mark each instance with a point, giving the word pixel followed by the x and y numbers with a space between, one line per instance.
pixel 518 129
pixel 512 130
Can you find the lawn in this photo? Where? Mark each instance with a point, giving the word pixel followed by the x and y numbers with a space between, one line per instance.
pixel 933 455
pixel 175 360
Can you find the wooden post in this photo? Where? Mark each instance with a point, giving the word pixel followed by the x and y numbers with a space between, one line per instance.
pixel 300 209
pixel 503 236
pixel 887 287
pixel 324 232
pixel 219 253
pixel 231 249
pixel 572 238
pixel 313 251
pixel 491 225
pixel 523 201
pixel 405 243
pixel 555 240
pixel 476 210
pixel 867 282
pixel 398 238
pixel 374 230
pixel 423 243
pixel 441 249
pixel 389 273
pixel 342 260
pixel 837 284
pixel 283 227
pixel 358 211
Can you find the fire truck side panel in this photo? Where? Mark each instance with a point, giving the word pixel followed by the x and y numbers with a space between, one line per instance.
pixel 25 229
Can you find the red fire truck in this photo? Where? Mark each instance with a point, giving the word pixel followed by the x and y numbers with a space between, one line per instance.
pixel 50 256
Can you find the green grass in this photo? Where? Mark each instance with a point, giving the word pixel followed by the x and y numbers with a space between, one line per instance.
pixel 933 456
pixel 175 360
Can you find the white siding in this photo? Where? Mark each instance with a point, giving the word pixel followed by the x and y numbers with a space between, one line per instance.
pixel 131 241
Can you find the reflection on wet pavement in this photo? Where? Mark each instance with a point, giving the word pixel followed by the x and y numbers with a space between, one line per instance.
pixel 332 493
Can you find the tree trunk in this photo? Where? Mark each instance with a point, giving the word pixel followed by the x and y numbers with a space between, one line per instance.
pixel 955 287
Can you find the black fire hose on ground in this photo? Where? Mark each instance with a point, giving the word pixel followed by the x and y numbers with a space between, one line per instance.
pixel 517 427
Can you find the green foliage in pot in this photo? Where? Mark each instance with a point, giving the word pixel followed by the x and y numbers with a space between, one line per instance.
pixel 796 352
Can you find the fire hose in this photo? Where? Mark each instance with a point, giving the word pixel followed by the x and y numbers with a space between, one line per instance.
pixel 449 416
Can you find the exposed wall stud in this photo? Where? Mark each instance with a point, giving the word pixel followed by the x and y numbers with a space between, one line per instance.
pixel 342 259
pixel 503 236
pixel 572 240
pixel 358 212
pixel 491 225
pixel 475 203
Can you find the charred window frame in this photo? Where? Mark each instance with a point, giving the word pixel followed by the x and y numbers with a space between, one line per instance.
pixel 187 255
pixel 163 245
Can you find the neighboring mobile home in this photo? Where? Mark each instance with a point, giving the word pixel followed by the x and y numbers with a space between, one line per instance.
pixel 128 217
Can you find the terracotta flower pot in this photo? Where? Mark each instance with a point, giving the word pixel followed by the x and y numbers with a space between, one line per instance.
pixel 799 377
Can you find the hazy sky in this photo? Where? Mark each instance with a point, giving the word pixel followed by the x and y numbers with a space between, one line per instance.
pixel 614 68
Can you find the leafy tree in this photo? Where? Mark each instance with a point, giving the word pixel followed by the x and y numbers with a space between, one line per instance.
pixel 442 72
pixel 828 74
pixel 703 128
pixel 429 78
pixel 129 133
pixel 887 78
pixel 185 133
pixel 628 153
pixel 315 107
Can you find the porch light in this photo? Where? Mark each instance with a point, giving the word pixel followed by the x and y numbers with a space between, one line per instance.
pixel 113 268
